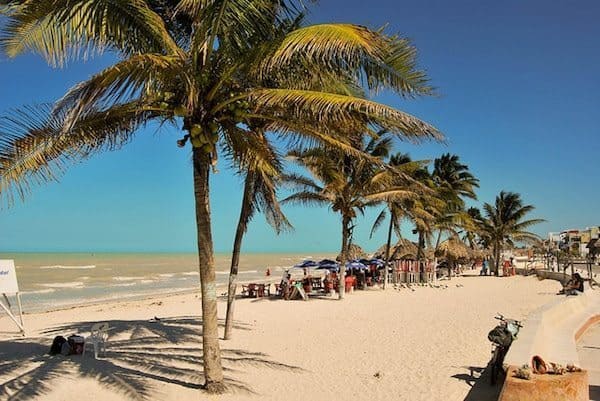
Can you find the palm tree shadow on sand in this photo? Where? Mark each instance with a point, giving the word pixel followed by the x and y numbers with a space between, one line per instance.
pixel 141 356
pixel 478 379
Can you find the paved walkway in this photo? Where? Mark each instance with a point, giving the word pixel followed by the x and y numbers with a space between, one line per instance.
pixel 588 348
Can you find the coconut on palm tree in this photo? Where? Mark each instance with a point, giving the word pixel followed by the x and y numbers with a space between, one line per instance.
pixel 216 70
pixel 505 223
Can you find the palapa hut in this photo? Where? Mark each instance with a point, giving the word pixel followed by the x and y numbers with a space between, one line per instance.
pixel 403 249
pixel 452 250
pixel 354 252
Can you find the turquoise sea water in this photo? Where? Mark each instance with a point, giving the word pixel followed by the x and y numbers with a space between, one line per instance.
pixel 54 280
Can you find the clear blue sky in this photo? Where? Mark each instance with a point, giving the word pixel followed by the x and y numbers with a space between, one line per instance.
pixel 520 92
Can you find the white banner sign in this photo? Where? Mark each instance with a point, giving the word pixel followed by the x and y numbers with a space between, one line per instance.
pixel 8 277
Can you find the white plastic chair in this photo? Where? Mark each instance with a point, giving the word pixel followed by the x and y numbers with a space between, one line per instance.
pixel 98 337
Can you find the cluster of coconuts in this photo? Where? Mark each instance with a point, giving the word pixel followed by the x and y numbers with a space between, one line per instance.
pixel 238 109
pixel 202 139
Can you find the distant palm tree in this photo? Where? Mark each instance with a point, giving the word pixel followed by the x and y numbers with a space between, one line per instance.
pixel 504 223
pixel 472 230
pixel 347 184
pixel 263 171
pixel 400 208
pixel 453 182
pixel 219 68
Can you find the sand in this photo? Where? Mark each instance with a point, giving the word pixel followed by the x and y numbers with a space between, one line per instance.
pixel 426 344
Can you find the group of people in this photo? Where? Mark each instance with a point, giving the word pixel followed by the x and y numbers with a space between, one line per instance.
pixel 509 267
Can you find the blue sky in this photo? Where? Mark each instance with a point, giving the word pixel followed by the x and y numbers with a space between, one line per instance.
pixel 519 95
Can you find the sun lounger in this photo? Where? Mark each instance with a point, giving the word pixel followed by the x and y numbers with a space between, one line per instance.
pixel 298 292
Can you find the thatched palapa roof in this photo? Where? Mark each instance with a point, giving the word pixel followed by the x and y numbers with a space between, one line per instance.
pixel 402 249
pixel 454 248
pixel 354 252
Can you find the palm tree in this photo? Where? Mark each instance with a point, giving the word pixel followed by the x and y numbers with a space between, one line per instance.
pixel 347 184
pixel 217 69
pixel 399 208
pixel 504 223
pixel 259 195
pixel 454 182
pixel 472 230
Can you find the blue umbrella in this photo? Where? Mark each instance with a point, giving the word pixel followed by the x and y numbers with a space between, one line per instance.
pixel 307 263
pixel 329 265
pixel 355 264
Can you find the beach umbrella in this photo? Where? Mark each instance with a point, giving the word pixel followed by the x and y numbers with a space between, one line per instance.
pixel 377 262
pixel 306 263
pixel 328 264
pixel 355 264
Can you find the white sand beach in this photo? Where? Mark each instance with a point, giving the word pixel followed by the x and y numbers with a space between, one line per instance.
pixel 426 344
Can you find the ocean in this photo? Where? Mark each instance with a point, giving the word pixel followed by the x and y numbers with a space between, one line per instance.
pixel 56 280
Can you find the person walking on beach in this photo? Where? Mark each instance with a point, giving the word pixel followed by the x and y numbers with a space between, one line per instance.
pixel 484 267
pixel 505 267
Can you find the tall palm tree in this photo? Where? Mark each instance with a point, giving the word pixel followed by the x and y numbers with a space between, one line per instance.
pixel 259 195
pixel 454 182
pixel 215 68
pixel 505 223
pixel 400 208
pixel 347 184
pixel 472 230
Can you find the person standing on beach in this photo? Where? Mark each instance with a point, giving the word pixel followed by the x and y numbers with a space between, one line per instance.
pixel 484 267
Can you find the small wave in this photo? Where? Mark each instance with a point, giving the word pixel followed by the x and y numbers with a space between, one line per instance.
pixel 123 285
pixel 68 267
pixel 74 284
pixel 125 278
pixel 249 271
pixel 222 272
pixel 147 281
pixel 193 273
pixel 166 275
pixel 46 291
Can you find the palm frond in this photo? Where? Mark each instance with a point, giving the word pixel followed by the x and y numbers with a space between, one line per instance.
pixel 35 148
pixel 369 56
pixel 122 82
pixel 61 30
pixel 336 110
pixel 379 220
pixel 306 199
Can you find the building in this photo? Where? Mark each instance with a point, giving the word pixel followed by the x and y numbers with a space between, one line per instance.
pixel 575 241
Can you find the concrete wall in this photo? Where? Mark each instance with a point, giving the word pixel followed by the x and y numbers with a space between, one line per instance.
pixel 551 332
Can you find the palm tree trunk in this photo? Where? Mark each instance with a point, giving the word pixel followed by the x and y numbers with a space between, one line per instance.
pixel 388 246
pixel 421 252
pixel 235 256
pixel 344 256
pixel 213 371
pixel 496 258
pixel 437 241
